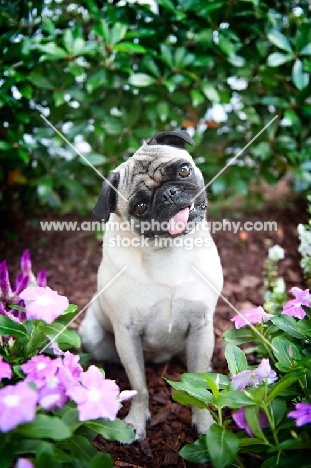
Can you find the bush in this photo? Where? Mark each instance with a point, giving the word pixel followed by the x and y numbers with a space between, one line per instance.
pixel 112 73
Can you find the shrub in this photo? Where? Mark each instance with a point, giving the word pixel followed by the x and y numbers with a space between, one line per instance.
pixel 112 73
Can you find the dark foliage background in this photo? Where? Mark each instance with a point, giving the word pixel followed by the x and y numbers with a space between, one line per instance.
pixel 112 73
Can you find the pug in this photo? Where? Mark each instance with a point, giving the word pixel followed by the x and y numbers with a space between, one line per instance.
pixel 162 303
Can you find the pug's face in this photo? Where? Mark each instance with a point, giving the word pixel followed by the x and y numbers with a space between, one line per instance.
pixel 158 185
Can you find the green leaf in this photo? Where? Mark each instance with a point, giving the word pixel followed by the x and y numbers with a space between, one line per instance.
pixel 40 81
pixel 71 419
pixel 222 446
pixel 299 77
pixel 69 337
pixel 185 399
pixel 285 350
pixel 277 410
pixel 226 45
pixel 163 110
pixel 9 327
pixel 94 158
pixel 198 379
pixel 102 30
pixel 197 98
pixel 306 50
pixel 130 48
pixel 196 452
pixel 279 40
pixel 237 337
pixel 198 392
pixel 53 50
pixel 236 359
pixel 234 399
pixel 252 419
pixel 287 324
pixel 97 79
pixel 112 430
pixel 276 59
pixel 236 60
pixel 287 381
pixel 141 79
pixel 45 427
pixel 101 460
pixel 210 92
pixel 70 309
pixel 117 33
pixel 81 449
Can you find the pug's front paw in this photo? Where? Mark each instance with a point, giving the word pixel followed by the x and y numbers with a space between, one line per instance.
pixel 137 421
pixel 202 420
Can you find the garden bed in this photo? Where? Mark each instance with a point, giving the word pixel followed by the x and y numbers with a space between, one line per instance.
pixel 71 260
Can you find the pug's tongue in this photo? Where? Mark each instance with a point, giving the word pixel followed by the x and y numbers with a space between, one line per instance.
pixel 178 223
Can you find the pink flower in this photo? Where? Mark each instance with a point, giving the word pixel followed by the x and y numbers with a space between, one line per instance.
pixel 254 377
pixel 302 414
pixel 71 361
pixel 17 405
pixel 24 463
pixel 5 369
pixel 96 397
pixel 127 395
pixel 293 307
pixel 264 372
pixel 39 368
pixel 252 316
pixel 240 420
pixel 53 393
pixel 45 304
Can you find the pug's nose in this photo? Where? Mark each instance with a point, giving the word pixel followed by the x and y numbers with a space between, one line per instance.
pixel 169 193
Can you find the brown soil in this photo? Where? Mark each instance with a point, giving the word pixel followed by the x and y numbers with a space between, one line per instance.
pixel 72 259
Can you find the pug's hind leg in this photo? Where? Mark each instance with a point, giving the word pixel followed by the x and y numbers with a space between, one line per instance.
pixel 96 340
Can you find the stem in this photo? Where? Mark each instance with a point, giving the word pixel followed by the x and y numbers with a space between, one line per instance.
pixel 220 415
pixel 239 462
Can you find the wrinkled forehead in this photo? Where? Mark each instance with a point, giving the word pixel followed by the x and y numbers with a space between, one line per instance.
pixel 152 165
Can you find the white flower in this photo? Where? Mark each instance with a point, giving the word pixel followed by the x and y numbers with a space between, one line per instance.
pixel 276 253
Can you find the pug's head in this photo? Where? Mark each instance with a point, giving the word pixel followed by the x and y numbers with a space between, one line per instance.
pixel 159 190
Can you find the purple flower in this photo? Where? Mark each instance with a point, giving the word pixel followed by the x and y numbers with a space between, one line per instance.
pixel 302 414
pixel 17 405
pixel 96 397
pixel 293 307
pixel 5 287
pixel 71 362
pixel 252 316
pixel 264 372
pixel 39 368
pixel 53 393
pixel 243 379
pixel 5 370
pixel 24 463
pixel 41 278
pixel 254 377
pixel 240 420
pixel 127 395
pixel 45 304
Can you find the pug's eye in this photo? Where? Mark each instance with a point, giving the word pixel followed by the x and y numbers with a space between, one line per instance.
pixel 185 170
pixel 141 209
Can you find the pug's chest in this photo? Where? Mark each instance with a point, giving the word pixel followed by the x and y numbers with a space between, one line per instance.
pixel 167 324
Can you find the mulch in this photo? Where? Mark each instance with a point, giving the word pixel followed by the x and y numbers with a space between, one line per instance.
pixel 71 260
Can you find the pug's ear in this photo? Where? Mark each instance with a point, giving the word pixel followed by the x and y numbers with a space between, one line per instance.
pixel 177 139
pixel 107 200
